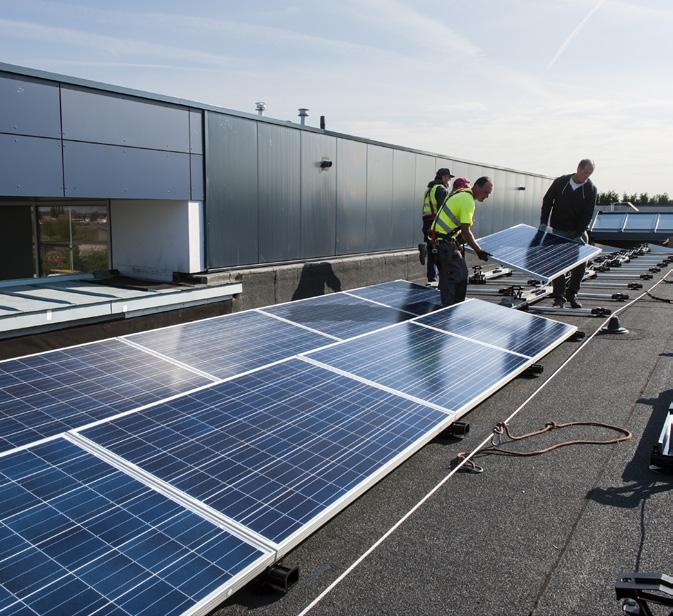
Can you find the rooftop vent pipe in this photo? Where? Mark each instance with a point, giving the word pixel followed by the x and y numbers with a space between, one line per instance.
pixel 303 114
pixel 260 106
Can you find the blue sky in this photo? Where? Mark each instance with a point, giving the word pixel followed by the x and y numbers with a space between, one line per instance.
pixel 529 84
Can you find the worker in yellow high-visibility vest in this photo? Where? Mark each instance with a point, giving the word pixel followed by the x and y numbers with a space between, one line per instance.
pixel 455 217
pixel 435 194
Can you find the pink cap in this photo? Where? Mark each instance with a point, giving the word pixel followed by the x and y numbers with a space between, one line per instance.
pixel 461 183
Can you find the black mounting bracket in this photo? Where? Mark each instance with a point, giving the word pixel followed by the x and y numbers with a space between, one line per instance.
pixel 637 591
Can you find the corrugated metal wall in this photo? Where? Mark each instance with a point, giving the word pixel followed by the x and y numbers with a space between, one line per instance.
pixel 369 200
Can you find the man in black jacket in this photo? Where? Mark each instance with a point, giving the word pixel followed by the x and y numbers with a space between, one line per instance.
pixel 570 200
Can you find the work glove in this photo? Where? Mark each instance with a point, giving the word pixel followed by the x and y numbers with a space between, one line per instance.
pixel 543 228
pixel 483 255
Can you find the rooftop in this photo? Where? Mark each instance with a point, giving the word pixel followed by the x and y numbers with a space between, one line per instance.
pixel 532 536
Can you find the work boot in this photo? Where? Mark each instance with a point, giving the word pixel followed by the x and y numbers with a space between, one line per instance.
pixel 572 300
pixel 422 253
pixel 559 302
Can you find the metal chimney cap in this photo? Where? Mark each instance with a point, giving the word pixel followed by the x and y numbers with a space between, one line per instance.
pixel 303 112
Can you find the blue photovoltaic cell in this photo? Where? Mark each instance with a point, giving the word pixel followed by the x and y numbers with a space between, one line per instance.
pixel 641 221
pixel 232 344
pixel 46 394
pixel 403 296
pixel 665 224
pixel 272 449
pixel 338 314
pixel 79 537
pixel 544 256
pixel 613 221
pixel 421 362
pixel 503 327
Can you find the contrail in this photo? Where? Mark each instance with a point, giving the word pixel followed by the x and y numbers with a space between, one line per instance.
pixel 573 34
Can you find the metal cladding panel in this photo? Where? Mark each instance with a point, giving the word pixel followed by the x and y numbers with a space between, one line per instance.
pixel 318 195
pixel 484 215
pixel 541 187
pixel 30 166
pixel 460 169
pixel 379 197
pixel 231 190
pixel 424 173
pixel 351 214
pixel 405 211
pixel 279 193
pixel 113 172
pixel 29 107
pixel 195 131
pixel 196 164
pixel 499 202
pixel 444 162
pixel 120 120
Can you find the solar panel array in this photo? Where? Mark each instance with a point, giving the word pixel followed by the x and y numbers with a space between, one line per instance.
pixel 637 226
pixel 197 455
pixel 544 256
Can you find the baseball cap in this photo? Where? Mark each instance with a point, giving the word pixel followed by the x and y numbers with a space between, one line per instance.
pixel 443 171
pixel 461 183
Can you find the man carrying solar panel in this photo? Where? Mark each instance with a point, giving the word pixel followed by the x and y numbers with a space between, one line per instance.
pixel 454 218
pixel 570 200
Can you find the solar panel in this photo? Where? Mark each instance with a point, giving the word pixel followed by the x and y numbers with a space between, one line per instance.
pixel 508 329
pixel 79 537
pixel 665 224
pixel 232 344
pixel 402 295
pixel 544 256
pixel 634 226
pixel 338 314
pixel 279 450
pixel 46 394
pixel 431 366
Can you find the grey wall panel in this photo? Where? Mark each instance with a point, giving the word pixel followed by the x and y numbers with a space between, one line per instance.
pixel 446 163
pixel 197 173
pixel 424 173
pixel 501 200
pixel 30 167
pixel 351 172
pixel 279 193
pixel 195 131
pixel 379 197
pixel 120 120
pixel 231 191
pixel 405 201
pixel 112 172
pixel 318 196
pixel 29 107
pixel 460 170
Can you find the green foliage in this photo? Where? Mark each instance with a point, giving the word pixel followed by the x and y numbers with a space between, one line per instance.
pixel 610 196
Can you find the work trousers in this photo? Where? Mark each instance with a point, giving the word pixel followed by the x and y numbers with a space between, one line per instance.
pixel 452 273
pixel 576 274
pixel 431 259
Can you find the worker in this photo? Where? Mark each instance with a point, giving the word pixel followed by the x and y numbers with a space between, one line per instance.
pixel 570 200
pixel 459 184
pixel 455 217
pixel 435 194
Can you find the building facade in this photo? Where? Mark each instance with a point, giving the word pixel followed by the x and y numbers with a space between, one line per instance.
pixel 96 177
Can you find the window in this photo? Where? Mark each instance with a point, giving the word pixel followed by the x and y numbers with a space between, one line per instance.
pixel 73 237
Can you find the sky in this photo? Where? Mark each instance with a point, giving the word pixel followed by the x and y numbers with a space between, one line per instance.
pixel 533 85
